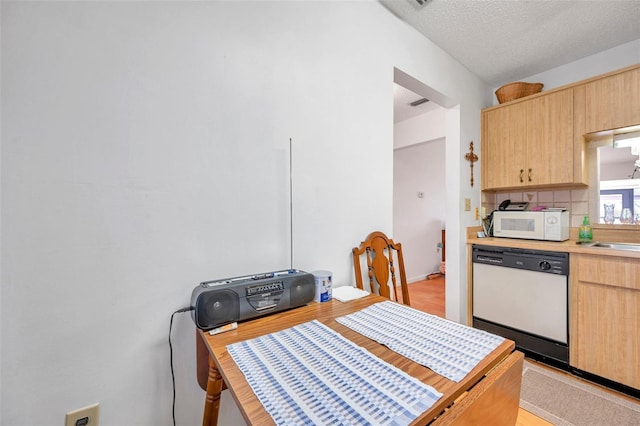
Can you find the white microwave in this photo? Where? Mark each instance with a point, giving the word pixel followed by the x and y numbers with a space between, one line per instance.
pixel 549 225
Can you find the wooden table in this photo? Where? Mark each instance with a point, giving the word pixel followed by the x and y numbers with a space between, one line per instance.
pixel 489 394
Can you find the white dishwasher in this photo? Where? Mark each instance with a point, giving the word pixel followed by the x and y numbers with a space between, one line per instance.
pixel 522 295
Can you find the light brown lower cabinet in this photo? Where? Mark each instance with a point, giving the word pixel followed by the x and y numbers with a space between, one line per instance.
pixel 605 317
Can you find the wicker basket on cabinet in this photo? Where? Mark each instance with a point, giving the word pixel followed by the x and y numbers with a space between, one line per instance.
pixel 517 90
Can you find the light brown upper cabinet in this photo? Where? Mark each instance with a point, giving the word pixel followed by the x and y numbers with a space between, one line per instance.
pixel 540 141
pixel 550 139
pixel 529 143
pixel 613 101
pixel 503 146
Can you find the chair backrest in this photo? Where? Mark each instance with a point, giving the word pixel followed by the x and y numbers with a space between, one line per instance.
pixel 384 258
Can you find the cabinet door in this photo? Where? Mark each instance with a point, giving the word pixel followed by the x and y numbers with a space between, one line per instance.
pixel 613 102
pixel 504 147
pixel 550 139
pixel 605 317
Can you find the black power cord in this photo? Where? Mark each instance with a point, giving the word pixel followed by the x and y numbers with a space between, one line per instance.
pixel 173 378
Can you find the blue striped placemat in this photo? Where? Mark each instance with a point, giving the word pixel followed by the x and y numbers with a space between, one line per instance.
pixel 448 348
pixel 310 374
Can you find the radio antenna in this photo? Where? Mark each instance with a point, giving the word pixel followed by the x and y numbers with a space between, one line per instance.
pixel 291 203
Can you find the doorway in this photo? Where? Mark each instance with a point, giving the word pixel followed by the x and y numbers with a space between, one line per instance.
pixel 419 196
pixel 456 223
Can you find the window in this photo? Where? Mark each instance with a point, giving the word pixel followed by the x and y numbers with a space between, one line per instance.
pixel 615 181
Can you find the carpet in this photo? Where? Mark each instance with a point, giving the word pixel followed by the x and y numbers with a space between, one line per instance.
pixel 565 401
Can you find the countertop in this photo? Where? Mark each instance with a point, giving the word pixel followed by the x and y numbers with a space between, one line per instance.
pixel 569 246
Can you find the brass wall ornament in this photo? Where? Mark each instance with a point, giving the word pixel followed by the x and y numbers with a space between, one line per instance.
pixel 471 158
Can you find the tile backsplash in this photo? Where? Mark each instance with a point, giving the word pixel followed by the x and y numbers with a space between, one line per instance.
pixel 576 201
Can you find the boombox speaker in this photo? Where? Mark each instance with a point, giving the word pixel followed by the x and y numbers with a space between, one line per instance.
pixel 228 300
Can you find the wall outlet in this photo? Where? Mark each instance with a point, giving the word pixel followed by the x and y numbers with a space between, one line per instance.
pixel 87 416
pixel 467 204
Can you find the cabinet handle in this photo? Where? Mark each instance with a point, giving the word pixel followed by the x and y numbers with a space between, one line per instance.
pixel 529 175
pixel 521 175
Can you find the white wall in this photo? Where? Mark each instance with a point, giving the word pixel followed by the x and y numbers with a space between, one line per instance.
pixel 419 129
pixel 418 222
pixel 145 149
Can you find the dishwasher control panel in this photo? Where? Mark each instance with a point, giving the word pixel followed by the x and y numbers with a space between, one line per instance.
pixel 532 260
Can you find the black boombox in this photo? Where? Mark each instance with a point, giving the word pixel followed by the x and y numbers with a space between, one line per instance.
pixel 228 300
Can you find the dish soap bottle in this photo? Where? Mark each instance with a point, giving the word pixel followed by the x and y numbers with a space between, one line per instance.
pixel 585 234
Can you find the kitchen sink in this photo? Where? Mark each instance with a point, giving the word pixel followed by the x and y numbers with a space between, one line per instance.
pixel 616 246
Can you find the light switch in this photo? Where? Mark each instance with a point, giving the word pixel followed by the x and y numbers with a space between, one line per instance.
pixel 467 204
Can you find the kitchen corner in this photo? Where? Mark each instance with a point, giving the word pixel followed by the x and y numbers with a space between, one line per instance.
pixel 603 301
pixel 601 233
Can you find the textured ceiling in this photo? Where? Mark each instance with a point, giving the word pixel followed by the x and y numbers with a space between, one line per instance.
pixel 507 40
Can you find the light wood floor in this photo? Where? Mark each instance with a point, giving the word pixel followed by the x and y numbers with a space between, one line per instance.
pixel 428 295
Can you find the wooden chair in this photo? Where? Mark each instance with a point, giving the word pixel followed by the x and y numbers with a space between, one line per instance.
pixel 380 252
